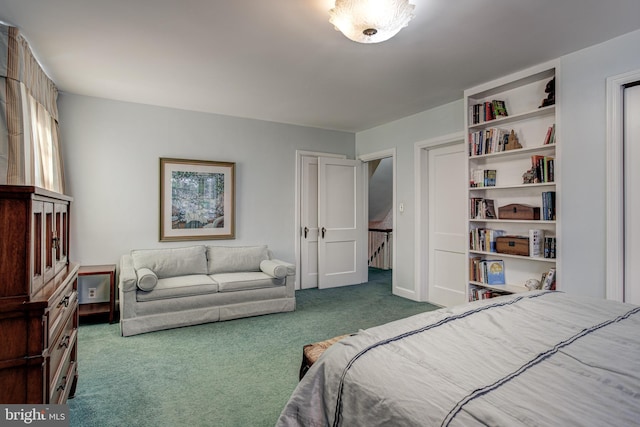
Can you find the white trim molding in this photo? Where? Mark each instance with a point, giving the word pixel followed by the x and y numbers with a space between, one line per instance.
pixel 615 184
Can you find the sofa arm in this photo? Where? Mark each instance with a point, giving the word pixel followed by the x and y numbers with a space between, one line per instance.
pixel 128 277
pixel 275 268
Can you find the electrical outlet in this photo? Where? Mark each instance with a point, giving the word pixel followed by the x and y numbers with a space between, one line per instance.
pixel 92 293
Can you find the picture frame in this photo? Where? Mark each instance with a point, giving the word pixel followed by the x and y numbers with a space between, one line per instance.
pixel 197 199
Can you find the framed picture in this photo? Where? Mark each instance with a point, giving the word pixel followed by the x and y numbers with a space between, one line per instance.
pixel 197 200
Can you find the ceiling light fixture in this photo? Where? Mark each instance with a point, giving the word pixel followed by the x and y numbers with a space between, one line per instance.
pixel 371 21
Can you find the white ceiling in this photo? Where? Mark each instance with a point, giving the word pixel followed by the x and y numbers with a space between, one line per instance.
pixel 281 60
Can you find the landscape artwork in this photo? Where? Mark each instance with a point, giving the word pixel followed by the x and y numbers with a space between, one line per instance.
pixel 197 199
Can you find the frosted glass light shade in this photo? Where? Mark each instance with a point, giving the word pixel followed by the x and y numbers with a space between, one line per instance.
pixel 371 21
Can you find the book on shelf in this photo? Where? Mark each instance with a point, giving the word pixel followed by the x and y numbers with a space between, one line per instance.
pixel 550 137
pixel 548 281
pixel 549 247
pixel 495 272
pixel 482 208
pixel 549 205
pixel 536 242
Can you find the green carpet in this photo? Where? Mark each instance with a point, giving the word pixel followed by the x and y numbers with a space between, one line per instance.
pixel 234 373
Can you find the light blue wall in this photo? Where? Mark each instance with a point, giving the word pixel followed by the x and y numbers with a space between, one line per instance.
pixel 583 164
pixel 403 134
pixel 111 155
pixel 582 133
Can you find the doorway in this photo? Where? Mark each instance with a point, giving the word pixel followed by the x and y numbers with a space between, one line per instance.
pixel 330 221
pixel 383 215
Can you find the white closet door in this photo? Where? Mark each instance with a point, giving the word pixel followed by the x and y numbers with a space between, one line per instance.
pixel 447 220
pixel 632 194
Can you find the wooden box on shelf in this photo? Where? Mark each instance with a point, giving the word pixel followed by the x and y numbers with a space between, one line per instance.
pixel 519 211
pixel 512 245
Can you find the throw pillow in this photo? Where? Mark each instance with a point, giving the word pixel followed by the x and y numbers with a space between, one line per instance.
pixel 147 279
pixel 233 259
pixel 172 262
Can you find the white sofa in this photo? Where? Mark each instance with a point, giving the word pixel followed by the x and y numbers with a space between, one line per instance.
pixel 169 288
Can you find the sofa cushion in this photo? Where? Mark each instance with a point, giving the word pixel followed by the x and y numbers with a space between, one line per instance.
pixel 176 287
pixel 231 259
pixel 147 279
pixel 230 282
pixel 274 268
pixel 172 262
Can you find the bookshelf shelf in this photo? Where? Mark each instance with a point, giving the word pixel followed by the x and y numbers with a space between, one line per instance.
pixel 512 289
pixel 496 157
pixel 501 255
pixel 540 112
pixel 513 221
pixel 510 187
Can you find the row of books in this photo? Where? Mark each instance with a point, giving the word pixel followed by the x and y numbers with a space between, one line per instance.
pixel 548 205
pixel 542 168
pixel 479 293
pixel 483 178
pixel 488 271
pixel 487 141
pixel 484 239
pixel 488 110
pixel 480 208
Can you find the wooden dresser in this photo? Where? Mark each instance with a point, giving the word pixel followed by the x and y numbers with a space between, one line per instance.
pixel 38 298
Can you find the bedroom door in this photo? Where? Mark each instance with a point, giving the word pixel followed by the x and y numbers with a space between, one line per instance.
pixel 447 233
pixel 309 222
pixel 341 239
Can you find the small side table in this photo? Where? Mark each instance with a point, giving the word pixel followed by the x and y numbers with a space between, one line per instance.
pixel 97 290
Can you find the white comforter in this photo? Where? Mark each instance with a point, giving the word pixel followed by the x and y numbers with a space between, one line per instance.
pixel 534 359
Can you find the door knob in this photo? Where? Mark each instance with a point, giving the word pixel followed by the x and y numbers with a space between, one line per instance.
pixel 306 231
pixel 323 231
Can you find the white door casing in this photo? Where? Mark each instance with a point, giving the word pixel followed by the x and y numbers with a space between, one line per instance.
pixel 309 224
pixel 340 221
pixel 447 214
pixel 631 194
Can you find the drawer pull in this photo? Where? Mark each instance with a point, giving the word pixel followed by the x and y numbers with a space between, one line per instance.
pixel 63 384
pixel 65 341
pixel 65 301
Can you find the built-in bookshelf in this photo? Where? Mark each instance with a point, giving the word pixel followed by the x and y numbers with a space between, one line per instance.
pixel 512 175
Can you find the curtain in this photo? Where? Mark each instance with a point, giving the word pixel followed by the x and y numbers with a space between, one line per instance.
pixel 30 152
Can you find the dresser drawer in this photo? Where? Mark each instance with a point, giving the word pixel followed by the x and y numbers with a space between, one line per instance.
pixel 64 303
pixel 63 342
pixel 61 388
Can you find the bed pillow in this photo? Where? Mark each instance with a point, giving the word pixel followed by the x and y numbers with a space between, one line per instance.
pixel 172 262
pixel 233 259
pixel 275 269
pixel 147 279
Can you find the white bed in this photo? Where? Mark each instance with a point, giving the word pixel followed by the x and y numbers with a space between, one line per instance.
pixel 539 358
